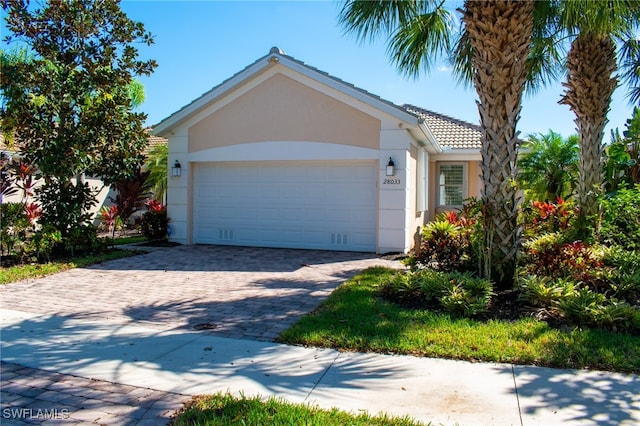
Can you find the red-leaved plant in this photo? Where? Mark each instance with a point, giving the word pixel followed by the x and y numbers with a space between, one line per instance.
pixel 32 211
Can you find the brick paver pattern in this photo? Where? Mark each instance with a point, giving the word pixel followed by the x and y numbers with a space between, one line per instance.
pixel 246 293
pixel 32 396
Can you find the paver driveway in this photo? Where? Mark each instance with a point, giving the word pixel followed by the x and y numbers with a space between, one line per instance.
pixel 236 292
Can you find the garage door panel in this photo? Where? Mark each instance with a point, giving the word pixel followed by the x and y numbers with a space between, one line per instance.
pixel 321 205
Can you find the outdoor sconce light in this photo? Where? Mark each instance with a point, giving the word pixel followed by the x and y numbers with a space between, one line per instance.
pixel 391 168
pixel 176 170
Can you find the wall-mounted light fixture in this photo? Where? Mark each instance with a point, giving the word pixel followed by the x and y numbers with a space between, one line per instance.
pixel 391 168
pixel 176 170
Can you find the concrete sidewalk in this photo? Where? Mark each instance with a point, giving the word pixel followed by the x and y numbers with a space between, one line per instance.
pixel 183 362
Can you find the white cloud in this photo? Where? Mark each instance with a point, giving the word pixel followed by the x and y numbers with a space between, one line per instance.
pixel 444 68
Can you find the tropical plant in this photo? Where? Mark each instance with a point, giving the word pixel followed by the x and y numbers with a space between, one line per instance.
pixel 157 165
pixel 591 64
pixel 461 294
pixel 110 219
pixel 623 155
pixel 70 110
pixel 446 244
pixel 154 222
pixel 131 194
pixel 493 51
pixel 621 218
pixel 548 166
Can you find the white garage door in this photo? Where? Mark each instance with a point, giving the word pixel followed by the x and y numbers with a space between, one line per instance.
pixel 316 205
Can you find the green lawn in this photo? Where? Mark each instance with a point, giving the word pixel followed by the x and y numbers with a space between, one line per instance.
pixel 35 270
pixel 355 318
pixel 224 409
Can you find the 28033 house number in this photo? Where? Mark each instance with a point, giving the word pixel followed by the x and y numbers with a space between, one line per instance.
pixel 391 181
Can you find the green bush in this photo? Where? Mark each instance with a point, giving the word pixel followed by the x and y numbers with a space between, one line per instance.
pixel 153 223
pixel 458 293
pixel 621 218
pixel 574 303
pixel 446 244
pixel 466 296
pixel 14 226
pixel 544 292
pixel 551 256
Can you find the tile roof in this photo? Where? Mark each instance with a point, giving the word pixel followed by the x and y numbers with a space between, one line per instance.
pixel 449 132
pixel 154 141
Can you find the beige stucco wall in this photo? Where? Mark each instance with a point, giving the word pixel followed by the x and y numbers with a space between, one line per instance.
pixel 282 109
pixel 415 217
pixel 474 184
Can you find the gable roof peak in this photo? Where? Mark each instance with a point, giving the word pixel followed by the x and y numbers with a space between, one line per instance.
pixel 276 49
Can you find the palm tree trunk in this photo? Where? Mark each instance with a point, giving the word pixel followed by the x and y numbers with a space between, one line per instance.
pixel 499 33
pixel 591 63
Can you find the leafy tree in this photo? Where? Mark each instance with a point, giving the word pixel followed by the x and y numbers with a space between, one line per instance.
pixel 70 107
pixel 493 51
pixel 548 166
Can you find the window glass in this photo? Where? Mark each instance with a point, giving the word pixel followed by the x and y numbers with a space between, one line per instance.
pixel 451 184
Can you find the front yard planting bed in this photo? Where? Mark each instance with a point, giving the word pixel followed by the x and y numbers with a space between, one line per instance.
pixel 356 318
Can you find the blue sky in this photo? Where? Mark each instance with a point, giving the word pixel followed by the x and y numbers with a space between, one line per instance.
pixel 199 44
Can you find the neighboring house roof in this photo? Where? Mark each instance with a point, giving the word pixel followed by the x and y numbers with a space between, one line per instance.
pixel 449 132
pixel 154 141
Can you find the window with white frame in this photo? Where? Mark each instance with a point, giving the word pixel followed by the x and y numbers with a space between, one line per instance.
pixel 452 183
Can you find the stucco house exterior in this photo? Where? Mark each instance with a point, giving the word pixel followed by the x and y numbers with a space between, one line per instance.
pixel 284 155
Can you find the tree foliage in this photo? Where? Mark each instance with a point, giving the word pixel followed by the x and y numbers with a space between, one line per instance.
pixel 623 156
pixel 69 106
pixel 548 166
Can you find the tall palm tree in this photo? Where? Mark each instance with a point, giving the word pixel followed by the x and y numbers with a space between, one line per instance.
pixel 591 80
pixel 548 166
pixel 496 38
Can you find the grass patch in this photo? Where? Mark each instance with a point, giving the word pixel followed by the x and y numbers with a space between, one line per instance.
pixel 355 318
pixel 36 270
pixel 225 409
pixel 130 240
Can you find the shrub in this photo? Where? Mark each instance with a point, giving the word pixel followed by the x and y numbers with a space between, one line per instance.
pixel 466 296
pixel 458 293
pixel 446 244
pixel 14 228
pixel 153 223
pixel 545 217
pixel 544 292
pixel 621 218
pixel 549 255
pixel 131 194
pixel 574 303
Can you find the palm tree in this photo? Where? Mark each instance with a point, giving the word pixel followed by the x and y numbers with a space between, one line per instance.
pixel 493 49
pixel 157 166
pixel 591 66
pixel 548 166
